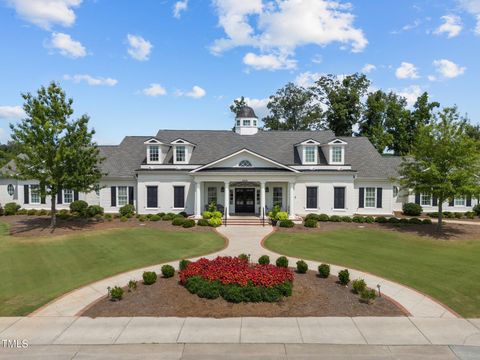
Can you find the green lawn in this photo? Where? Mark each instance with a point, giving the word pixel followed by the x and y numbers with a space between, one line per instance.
pixel 35 271
pixel 447 270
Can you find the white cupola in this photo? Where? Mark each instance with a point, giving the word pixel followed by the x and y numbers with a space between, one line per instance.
pixel 246 122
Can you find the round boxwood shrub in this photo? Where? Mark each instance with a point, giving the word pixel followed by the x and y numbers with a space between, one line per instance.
pixel 427 222
pixel 63 214
pixel 155 218
pixel 358 219
pixel 168 271
pixel 433 215
pixel 31 212
pixel 149 277
pixel 142 218
pixel 215 222
pixel 203 222
pixel 79 207
pixel 346 219
pixel 11 208
pixel 127 210
pixel 188 223
pixel 168 217
pixel 264 260
pixel 282 261
pixel 368 295
pixel 94 210
pixel 311 216
pixel 24 212
pixel 182 265
pixel 183 213
pixel 310 223
pixel 116 293
pixel 244 257
pixel 415 221
pixel 335 218
pixel 458 215
pixel 369 219
pixel 161 214
pixel 393 220
pixel 287 224
pixel 123 219
pixel 207 215
pixel 470 215
pixel 344 277
pixel 324 270
pixel 302 267
pixel 359 285
pixel 178 221
pixel 42 212
pixel 412 209
pixel 381 219
pixel 108 217
pixel 323 217
pixel 404 221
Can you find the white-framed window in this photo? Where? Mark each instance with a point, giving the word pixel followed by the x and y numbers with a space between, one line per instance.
pixel 459 201
pixel 310 154
pixel 277 196
pixel 395 191
pixel 238 122
pixel 10 189
pixel 425 200
pixel 34 194
pixel 212 195
pixel 154 153
pixel 337 154
pixel 370 197
pixel 246 122
pixel 67 196
pixel 180 154
pixel 122 195
pixel 254 122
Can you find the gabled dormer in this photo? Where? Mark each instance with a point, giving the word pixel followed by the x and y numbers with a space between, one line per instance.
pixel 156 151
pixel 182 151
pixel 308 151
pixel 335 151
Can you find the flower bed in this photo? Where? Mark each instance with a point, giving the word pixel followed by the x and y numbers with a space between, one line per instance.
pixel 236 280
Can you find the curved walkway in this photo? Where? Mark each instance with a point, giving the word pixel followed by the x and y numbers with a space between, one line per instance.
pixel 245 239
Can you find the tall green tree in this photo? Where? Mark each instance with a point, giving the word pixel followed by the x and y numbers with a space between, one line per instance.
pixel 293 108
pixel 343 99
pixel 238 104
pixel 423 111
pixel 57 151
pixel 398 124
pixel 444 162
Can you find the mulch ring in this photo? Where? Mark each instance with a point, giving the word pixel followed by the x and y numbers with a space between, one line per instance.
pixel 312 296
pixel 31 226
pixel 449 232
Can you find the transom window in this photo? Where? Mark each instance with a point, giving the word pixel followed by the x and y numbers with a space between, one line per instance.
pixel 212 195
pixel 122 196
pixel 180 154
pixel 34 194
pixel 337 154
pixel 154 153
pixel 246 122
pixel 67 196
pixel 310 154
pixel 425 200
pixel 277 196
pixel 10 190
pixel 459 201
pixel 370 197
pixel 245 163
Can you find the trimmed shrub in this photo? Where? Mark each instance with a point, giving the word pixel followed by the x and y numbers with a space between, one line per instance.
pixel 168 271
pixel 188 223
pixel 182 265
pixel 149 277
pixel 344 277
pixel 244 257
pixel 183 213
pixel 108 217
pixel 282 215
pixel 168 217
pixel 215 222
pixel 323 217
pixel 476 209
pixel 31 212
pixel 302 267
pixel 155 218
pixel 11 208
pixel 282 261
pixel 470 215
pixel 123 219
pixel 368 296
pixel 346 219
pixel 359 285
pixel 458 215
pixel 369 219
pixel 412 209
pixel 287 224
pixel 335 218
pixel 404 221
pixel 324 270
pixel 98 217
pixel 393 220
pixel 433 215
pixel 41 212
pixel 116 293
pixel 217 215
pixel 448 215
pixel 178 221
pixel 63 214
pixel 311 216
pixel 22 212
pixel 264 260
pixel 142 218
pixel 161 214
pixel 358 219
pixel 132 285
pixel 93 210
pixel 207 215
pixel 415 221
pixel 381 219
pixel 427 222
pixel 310 223
pixel 203 222
pixel 79 207
pixel 127 210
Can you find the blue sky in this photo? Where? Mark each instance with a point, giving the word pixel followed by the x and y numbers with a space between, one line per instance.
pixel 139 66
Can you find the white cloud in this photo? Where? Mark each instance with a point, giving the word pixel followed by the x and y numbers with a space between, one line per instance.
pixel 411 94
pixel 406 71
pixel 139 48
pixel 259 106
pixel 307 79
pixel 368 68
pixel 45 13
pixel 269 62
pixel 317 59
pixel 66 45
pixel 452 26
pixel 179 7
pixel 11 112
pixel 154 90
pixel 448 69
pixel 280 27
pixel 197 92
pixel 90 80
pixel 472 7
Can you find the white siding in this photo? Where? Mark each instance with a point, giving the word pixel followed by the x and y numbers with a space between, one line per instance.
pixel 387 197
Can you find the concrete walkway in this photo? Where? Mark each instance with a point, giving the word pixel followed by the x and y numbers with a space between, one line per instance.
pixel 246 239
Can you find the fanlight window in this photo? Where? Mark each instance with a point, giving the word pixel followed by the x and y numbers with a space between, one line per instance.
pixel 245 163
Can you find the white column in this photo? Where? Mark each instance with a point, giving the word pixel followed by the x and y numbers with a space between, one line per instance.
pixel 262 197
pixel 291 200
pixel 226 201
pixel 198 199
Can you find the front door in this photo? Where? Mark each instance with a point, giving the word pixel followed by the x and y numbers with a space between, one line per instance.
pixel 245 200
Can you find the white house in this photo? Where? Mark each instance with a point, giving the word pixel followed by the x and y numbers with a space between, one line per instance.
pixel 245 171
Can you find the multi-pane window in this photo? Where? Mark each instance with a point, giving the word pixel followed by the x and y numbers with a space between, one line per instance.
pixel 212 195
pixel 179 197
pixel 277 196
pixel 311 197
pixel 122 195
pixel 337 153
pixel 154 153
pixel 238 122
pixel 230 197
pixel 180 154
pixel 339 198
pixel 310 154
pixel 254 122
pixel 245 163
pixel 425 199
pixel 34 194
pixel 258 197
pixel 246 122
pixel 370 198
pixel 459 201
pixel 67 196
pixel 10 190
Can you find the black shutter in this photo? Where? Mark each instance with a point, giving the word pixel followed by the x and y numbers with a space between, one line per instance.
pixel 26 196
pixel 379 198
pixel 361 197
pixel 152 196
pixel 452 202
pixel 434 201
pixel 312 197
pixel 113 196
pixel 417 198
pixel 179 197
pixel 75 195
pixel 130 195
pixel 59 195
pixel 42 195
pixel 469 200
pixel 339 198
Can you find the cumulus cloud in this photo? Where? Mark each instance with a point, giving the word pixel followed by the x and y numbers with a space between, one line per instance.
pixel 259 106
pixel 452 26
pixel 269 62
pixel 280 27
pixel 448 69
pixel 406 70
pixel 11 112
pixel 66 46
pixel 91 80
pixel 138 47
pixel 45 13
pixel 179 7
pixel 307 79
pixel 154 90
pixel 472 7
pixel 368 68
pixel 197 92
pixel 411 94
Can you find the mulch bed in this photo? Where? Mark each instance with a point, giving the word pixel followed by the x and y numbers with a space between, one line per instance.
pixel 312 296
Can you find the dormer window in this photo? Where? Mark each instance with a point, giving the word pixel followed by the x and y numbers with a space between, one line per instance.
pixel 337 155
pixel 246 122
pixel 180 155
pixel 336 152
pixel 154 153
pixel 254 122
pixel 310 154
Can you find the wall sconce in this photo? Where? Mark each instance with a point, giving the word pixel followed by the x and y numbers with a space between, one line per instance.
pixel 267 189
pixel 222 189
